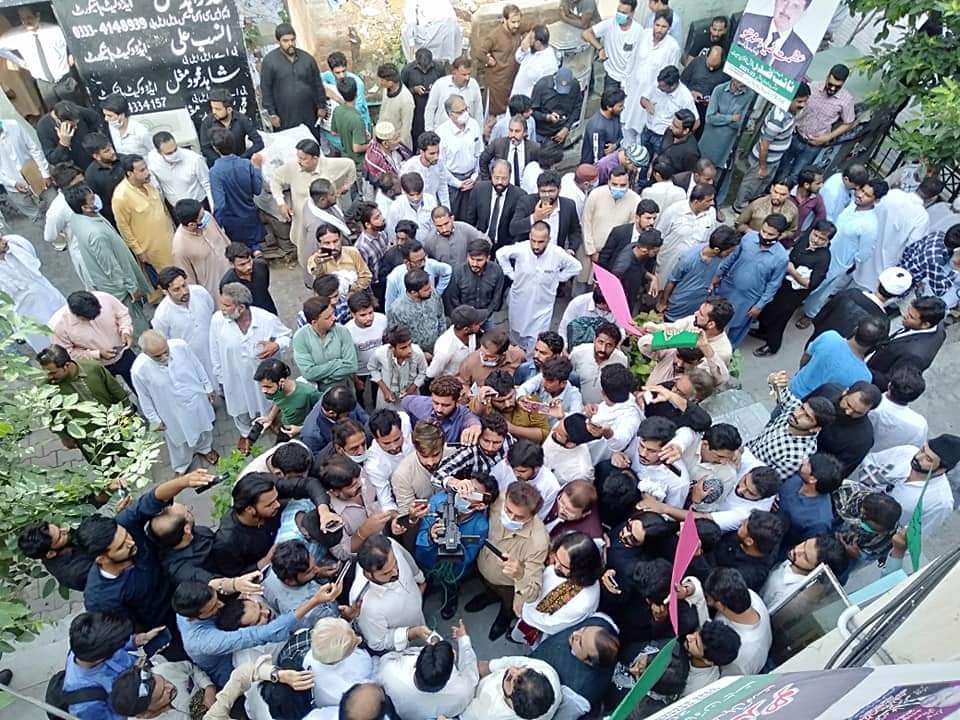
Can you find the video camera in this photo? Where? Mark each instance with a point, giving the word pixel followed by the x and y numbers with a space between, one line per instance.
pixel 451 543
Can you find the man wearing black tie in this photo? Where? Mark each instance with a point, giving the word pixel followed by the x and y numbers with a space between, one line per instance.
pixel 515 149
pixel 492 204
pixel 916 343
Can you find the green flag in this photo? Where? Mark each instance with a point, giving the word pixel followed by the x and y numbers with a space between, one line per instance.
pixel 915 528
pixel 655 670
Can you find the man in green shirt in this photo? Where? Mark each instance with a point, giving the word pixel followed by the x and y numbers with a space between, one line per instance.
pixel 88 380
pixel 292 400
pixel 348 124
pixel 323 349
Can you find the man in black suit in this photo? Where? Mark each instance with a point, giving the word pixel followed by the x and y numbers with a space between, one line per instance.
pixel 482 211
pixel 515 149
pixel 917 343
pixel 584 657
pixel 772 39
pixel 546 205
pixel 621 236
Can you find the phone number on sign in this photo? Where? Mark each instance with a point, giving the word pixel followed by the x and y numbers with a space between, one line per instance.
pixel 110 28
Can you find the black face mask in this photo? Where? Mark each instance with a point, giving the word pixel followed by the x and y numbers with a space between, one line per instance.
pixel 916 466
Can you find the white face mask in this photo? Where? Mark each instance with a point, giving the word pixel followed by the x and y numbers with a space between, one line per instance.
pixel 174 157
pixel 509 523
pixel 358 459
pixel 116 124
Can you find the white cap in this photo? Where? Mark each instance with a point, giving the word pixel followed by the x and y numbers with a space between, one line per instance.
pixel 896 281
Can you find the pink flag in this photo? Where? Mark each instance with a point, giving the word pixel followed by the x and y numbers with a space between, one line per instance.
pixel 687 546
pixel 616 298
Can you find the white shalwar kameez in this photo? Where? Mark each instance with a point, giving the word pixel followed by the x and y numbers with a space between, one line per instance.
pixel 903 220
pixel 431 24
pixel 534 291
pixel 33 295
pixel 176 394
pixel 648 61
pixel 57 224
pixel 234 357
pixel 190 322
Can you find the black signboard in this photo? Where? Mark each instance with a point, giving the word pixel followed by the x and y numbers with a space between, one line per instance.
pixel 159 54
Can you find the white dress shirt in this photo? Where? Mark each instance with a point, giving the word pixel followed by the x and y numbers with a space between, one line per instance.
pixel 24 43
pixel 388 611
pixel 544 481
pixel 581 306
pixel 187 178
pixel 379 465
pixel 17 148
pixel 585 365
pixel 449 352
pixel 520 151
pixel 567 464
pixel 780 583
pixel 434 180
pixel 490 704
pixel 134 140
pixel 667 105
pixel 187 678
pixel 895 425
pixel 682 230
pixel 57 226
pixel 571 191
pixel 400 210
pixel 330 682
pixel 460 150
pixel 536 279
pixel 533 67
pixel 396 676
pixel 435 115
pixel 624 419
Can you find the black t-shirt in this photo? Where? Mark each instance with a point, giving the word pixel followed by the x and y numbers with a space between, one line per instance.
pixel 258 284
pixel 70 568
pixel 728 553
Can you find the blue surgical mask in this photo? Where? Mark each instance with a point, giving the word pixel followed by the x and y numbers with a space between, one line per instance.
pixel 358 459
pixel 415 205
pixel 508 522
pixel 618 193
pixel 461 503
pixel 622 18
pixel 204 221
pixel 97 203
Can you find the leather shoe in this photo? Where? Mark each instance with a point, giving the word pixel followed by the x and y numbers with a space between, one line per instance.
pixel 755 333
pixel 449 608
pixel 481 601
pixel 500 626
pixel 803 323
pixel 764 351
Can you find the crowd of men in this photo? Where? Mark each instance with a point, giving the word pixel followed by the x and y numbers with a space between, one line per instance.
pixel 455 364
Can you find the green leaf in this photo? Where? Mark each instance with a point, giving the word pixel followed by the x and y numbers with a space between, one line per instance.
pixel 75 430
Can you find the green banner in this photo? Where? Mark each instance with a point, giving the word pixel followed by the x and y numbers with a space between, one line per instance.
pixel 655 670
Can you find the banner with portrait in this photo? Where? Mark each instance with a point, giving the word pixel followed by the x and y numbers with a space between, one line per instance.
pixel 774 45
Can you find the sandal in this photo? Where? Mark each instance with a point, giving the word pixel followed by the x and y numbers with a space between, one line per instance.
pixel 212 457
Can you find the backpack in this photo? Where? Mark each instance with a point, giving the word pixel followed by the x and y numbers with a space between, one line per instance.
pixel 583 330
pixel 63 699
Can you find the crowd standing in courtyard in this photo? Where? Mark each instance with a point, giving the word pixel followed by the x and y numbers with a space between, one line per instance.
pixel 454 360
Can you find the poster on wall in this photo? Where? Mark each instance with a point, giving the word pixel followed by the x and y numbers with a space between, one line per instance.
pixel 159 54
pixel 775 43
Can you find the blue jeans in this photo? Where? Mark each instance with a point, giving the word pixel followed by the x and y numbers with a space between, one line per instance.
pixel 828 288
pixel 653 142
pixel 799 155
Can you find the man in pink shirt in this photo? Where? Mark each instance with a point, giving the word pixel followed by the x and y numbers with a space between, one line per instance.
pixel 96 326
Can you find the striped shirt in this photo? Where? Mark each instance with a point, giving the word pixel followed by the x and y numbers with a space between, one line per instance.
pixel 778 131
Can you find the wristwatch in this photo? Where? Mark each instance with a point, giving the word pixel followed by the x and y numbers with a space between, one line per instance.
pixel 274 674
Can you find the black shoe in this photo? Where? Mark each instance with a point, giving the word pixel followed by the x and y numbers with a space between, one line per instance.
pixel 764 351
pixel 755 333
pixel 6 677
pixel 449 608
pixel 500 626
pixel 481 601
